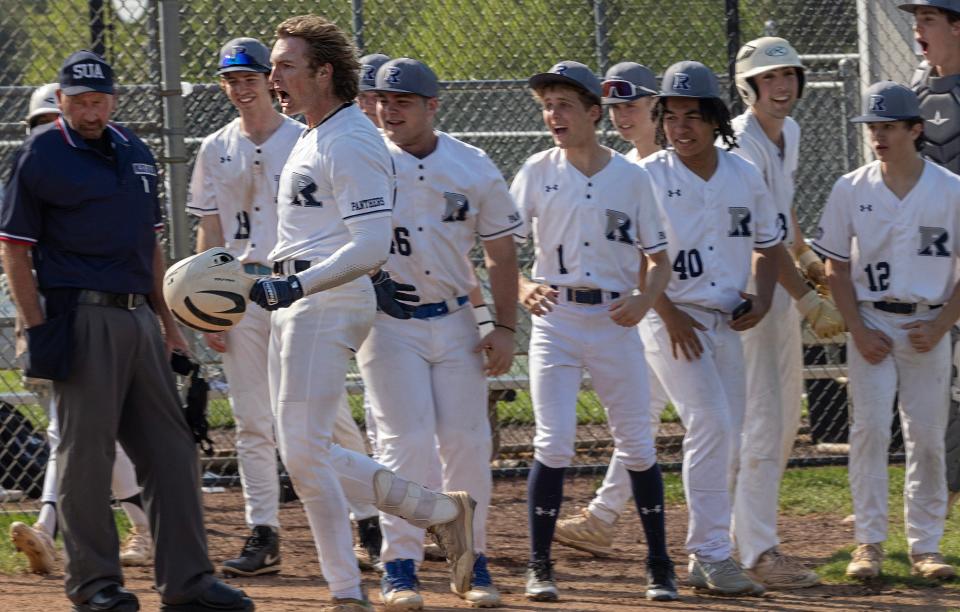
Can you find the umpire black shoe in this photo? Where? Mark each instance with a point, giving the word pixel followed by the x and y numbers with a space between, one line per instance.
pixel 368 550
pixel 260 554
pixel 112 598
pixel 661 580
pixel 219 597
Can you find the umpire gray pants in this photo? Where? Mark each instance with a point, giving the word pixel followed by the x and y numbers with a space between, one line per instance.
pixel 121 388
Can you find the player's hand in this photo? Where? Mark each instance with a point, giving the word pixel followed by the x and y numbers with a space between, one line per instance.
pixel 816 273
pixel 628 311
pixel 499 348
pixel 822 314
pixel 682 329
pixel 216 341
pixel 274 293
pixel 174 340
pixel 924 335
pixel 537 299
pixel 758 308
pixel 873 344
pixel 394 298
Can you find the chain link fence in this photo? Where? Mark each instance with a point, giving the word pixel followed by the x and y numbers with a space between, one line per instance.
pixel 165 54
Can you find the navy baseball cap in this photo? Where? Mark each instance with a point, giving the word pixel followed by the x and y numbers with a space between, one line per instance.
pixel 405 75
pixel 888 101
pixel 689 79
pixel 85 71
pixel 244 55
pixel 369 64
pixel 946 5
pixel 568 72
pixel 628 81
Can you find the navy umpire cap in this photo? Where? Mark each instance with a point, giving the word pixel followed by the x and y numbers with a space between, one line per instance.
pixel 369 64
pixel 405 75
pixel 628 81
pixel 689 79
pixel 568 72
pixel 244 55
pixel 946 5
pixel 888 101
pixel 85 71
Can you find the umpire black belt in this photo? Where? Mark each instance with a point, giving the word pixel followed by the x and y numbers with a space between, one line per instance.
pixel 290 266
pixel 903 308
pixel 438 309
pixel 586 296
pixel 128 301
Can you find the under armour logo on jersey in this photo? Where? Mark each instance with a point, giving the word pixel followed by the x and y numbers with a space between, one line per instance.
pixel 541 512
pixel 671 193
pixel 549 188
pixel 456 208
pixel 866 208
pixel 933 241
pixel 655 510
pixel 618 226
pixel 225 158
pixel 877 104
pixel 393 75
pixel 739 222
pixel 681 82
pixel 304 187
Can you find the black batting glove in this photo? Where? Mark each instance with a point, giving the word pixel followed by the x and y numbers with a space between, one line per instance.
pixel 274 293
pixel 394 298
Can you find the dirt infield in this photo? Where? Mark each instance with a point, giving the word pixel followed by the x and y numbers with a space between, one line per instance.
pixel 586 583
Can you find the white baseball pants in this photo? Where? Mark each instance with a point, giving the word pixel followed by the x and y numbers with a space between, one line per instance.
pixel 709 395
pixel 773 354
pixel 428 393
pixel 563 343
pixel 923 380
pixel 311 344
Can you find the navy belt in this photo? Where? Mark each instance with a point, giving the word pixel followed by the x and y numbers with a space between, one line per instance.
pixel 128 301
pixel 257 269
pixel 903 308
pixel 437 309
pixel 587 296
pixel 299 265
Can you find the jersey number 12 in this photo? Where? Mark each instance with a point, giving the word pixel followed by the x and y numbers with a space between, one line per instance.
pixel 878 276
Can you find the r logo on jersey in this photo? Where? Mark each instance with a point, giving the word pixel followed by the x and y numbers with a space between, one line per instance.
pixel 933 242
pixel 877 104
pixel 304 187
pixel 739 222
pixel 681 82
pixel 456 207
pixel 618 227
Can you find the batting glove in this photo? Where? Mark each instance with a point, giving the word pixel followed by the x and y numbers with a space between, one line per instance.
pixel 394 298
pixel 821 314
pixel 274 293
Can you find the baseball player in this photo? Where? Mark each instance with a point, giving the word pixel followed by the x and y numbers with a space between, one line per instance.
pixel 448 194
pixel 937 83
pixel 718 218
pixel 334 226
pixel 590 212
pixel 37 542
pixel 367 98
pixel 898 292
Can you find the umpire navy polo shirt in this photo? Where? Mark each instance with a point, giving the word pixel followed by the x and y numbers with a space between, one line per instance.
pixel 91 220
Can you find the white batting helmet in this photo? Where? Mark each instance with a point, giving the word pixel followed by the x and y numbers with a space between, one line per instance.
pixel 759 56
pixel 207 291
pixel 43 100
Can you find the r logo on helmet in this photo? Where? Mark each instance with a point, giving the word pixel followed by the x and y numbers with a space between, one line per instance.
pixel 777 51
pixel 681 82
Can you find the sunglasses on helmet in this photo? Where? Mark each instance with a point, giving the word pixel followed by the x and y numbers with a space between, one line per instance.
pixel 618 88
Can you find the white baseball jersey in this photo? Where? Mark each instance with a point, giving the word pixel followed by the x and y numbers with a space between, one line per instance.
pixel 444 201
pixel 237 180
pixel 778 169
pixel 909 248
pixel 712 226
pixel 338 173
pixel 587 230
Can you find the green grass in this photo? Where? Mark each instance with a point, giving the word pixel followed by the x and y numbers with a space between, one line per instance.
pixel 12 562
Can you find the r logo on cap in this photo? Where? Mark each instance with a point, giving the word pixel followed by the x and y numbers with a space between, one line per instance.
pixel 88 71
pixel 369 72
pixel 393 75
pixel 559 69
pixel 877 104
pixel 681 82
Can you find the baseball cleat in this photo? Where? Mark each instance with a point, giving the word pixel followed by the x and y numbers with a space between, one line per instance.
pixel 137 550
pixel 432 552
pixel 348 605
pixel 455 539
pixel 778 572
pixel 586 532
pixel 218 597
pixel 370 541
pixel 399 586
pixel 931 566
pixel 721 578
pixel 541 584
pixel 661 580
pixel 36 544
pixel 260 554
pixel 111 598
pixel 866 561
pixel 482 593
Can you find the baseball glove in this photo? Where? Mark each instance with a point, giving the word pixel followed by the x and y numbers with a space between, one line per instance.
pixel 195 400
pixel 822 315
